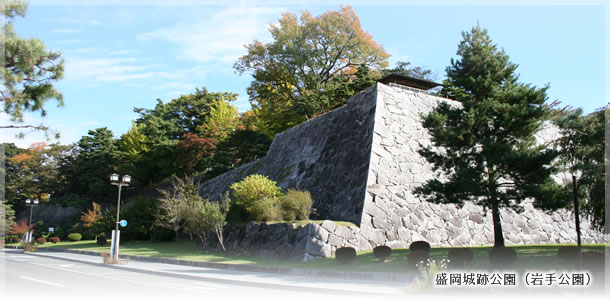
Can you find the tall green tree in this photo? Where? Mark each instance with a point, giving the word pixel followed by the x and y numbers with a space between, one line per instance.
pixel 187 113
pixel 486 147
pixel 582 147
pixel 34 173
pixel 7 217
pixel 174 131
pixel 304 57
pixel 29 73
pixel 11 172
pixel 97 158
pixel 221 121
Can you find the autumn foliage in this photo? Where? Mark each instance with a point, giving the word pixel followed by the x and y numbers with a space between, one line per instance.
pixel 91 216
pixel 20 227
pixel 193 148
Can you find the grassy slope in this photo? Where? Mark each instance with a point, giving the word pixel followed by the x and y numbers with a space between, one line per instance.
pixel 539 257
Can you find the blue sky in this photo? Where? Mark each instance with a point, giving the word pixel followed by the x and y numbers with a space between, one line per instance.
pixel 120 56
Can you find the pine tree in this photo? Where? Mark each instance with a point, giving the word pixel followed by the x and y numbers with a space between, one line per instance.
pixel 487 146
pixel 29 72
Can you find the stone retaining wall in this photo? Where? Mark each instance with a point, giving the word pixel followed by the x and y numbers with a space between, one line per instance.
pixel 360 163
pixel 394 216
pixel 288 241
pixel 327 156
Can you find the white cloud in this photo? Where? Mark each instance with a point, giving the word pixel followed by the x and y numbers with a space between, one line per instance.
pixel 66 30
pixel 122 52
pixel 95 70
pixel 69 41
pixel 83 50
pixel 219 38
pixel 242 103
pixel 73 21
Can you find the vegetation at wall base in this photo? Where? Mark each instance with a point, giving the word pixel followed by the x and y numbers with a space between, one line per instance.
pixel 345 255
pixel 382 252
pixel 422 246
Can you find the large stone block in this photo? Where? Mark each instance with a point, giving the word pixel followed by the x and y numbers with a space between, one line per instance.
pixel 316 247
pixel 329 225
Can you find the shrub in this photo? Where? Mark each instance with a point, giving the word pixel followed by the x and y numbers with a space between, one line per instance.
pixel 266 209
pixel 54 239
pixel 382 252
pixel 75 237
pixel 259 196
pixel 459 257
pixel 420 246
pixel 345 255
pixel 12 239
pixel 41 240
pixel 568 253
pixel 417 256
pixel 101 240
pixel 502 256
pixel 296 205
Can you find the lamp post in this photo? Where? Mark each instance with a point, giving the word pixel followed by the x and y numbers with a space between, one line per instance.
pixel 114 180
pixel 31 204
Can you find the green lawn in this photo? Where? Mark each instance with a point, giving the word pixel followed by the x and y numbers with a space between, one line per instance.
pixel 539 257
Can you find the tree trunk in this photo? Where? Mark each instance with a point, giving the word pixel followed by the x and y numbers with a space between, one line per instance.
pixel 498 236
pixel 220 239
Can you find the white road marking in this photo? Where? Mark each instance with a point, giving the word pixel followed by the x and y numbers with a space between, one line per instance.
pixel 106 277
pixel 15 259
pixel 42 281
pixel 21 257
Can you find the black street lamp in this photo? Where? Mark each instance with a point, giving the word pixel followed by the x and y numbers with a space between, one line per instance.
pixel 31 204
pixel 114 180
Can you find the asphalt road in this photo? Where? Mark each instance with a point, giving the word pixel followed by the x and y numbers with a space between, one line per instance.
pixel 52 278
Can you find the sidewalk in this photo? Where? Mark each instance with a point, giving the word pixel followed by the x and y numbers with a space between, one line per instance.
pixel 364 282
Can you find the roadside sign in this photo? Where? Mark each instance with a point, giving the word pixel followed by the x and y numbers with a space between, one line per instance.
pixel 123 223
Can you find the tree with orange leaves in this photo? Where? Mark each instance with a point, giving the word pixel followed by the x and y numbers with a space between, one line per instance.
pixel 306 54
pixel 91 215
pixel 20 227
pixel 36 172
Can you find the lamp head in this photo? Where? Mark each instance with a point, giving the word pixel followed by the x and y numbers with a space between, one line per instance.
pixel 126 179
pixel 114 177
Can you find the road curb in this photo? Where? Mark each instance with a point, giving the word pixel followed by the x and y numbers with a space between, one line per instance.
pixel 368 276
